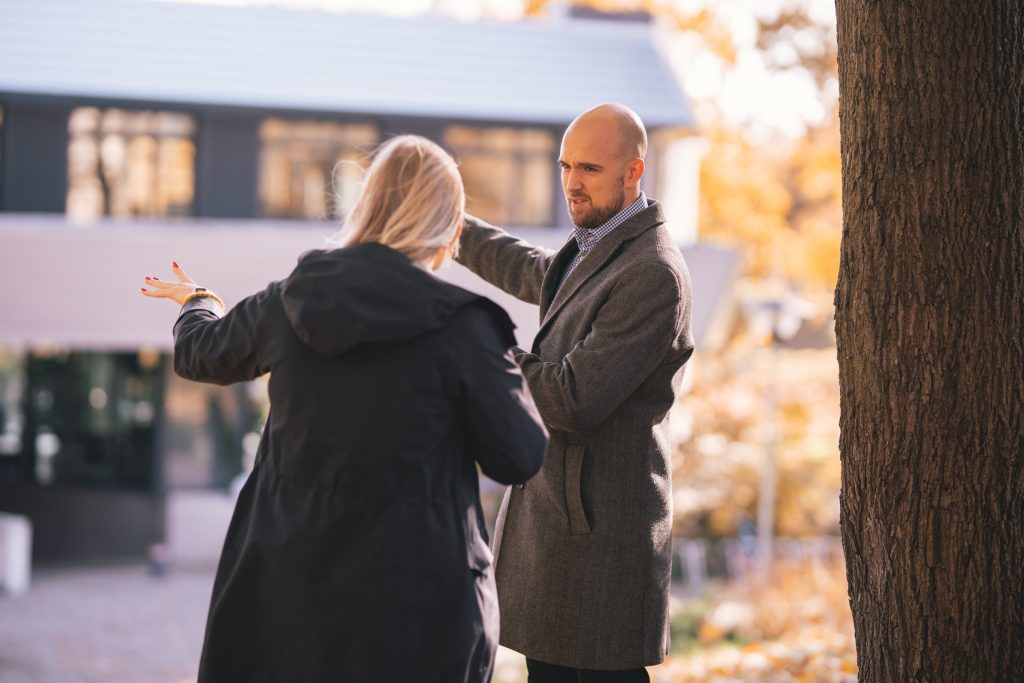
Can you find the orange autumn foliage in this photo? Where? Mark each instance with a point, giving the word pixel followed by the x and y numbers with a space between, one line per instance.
pixel 781 206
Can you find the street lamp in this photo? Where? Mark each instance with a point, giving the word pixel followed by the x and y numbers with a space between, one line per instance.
pixel 779 320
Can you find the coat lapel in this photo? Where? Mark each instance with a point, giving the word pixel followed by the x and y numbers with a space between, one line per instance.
pixel 549 287
pixel 590 264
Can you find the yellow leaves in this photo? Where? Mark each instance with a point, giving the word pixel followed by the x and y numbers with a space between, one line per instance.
pixel 799 658
pixel 723 520
pixel 778 201
pixel 718 468
pixel 710 634
pixel 533 8
pixel 715 34
pixel 782 206
pixel 743 202
pixel 705 23
pixel 796 626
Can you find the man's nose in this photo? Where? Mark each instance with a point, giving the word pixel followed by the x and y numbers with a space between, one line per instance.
pixel 573 181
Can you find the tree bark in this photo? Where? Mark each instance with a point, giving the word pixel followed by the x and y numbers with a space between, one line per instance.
pixel 930 329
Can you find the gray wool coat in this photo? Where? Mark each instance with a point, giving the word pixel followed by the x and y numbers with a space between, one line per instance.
pixel 583 550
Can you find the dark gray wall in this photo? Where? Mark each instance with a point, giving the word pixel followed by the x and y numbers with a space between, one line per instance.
pixel 34 157
pixel 227 165
pixel 71 524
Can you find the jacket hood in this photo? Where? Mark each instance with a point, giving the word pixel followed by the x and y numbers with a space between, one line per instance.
pixel 339 299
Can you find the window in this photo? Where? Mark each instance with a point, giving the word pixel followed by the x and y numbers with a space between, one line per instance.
pixel 91 418
pixel 210 433
pixel 311 169
pixel 1 153
pixel 509 173
pixel 12 415
pixel 130 163
pixel 122 421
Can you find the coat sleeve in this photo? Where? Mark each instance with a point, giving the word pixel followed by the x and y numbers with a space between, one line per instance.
pixel 504 430
pixel 220 350
pixel 644 319
pixel 509 263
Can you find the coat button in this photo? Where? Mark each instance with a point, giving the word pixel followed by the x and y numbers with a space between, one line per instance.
pixel 520 486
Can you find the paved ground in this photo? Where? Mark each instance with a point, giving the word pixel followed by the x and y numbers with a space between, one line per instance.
pixel 109 625
pixel 118 625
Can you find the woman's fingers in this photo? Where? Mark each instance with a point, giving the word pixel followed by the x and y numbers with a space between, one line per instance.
pixel 166 284
pixel 169 289
pixel 182 277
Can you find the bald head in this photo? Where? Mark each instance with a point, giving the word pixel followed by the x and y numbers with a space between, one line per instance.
pixel 621 123
pixel 602 162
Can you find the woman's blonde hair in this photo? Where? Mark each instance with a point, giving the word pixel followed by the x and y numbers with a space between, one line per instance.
pixel 412 200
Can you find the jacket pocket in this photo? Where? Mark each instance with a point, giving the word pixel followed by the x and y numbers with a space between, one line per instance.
pixel 578 522
pixel 478 555
pixel 480 558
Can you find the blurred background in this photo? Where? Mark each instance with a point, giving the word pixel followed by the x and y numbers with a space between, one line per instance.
pixel 231 135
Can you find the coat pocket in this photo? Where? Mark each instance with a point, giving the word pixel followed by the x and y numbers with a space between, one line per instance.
pixel 480 558
pixel 478 555
pixel 578 522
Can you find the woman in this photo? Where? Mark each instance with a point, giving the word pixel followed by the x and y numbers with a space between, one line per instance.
pixel 357 550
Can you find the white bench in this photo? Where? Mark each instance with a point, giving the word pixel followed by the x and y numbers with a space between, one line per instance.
pixel 15 553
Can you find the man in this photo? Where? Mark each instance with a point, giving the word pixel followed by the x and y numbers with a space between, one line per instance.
pixel 584 548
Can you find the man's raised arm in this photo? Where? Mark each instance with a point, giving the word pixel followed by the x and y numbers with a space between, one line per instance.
pixel 507 262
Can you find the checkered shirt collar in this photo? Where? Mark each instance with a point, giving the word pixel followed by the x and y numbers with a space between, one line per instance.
pixel 588 239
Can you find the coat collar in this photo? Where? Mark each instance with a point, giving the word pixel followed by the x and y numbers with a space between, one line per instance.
pixel 553 298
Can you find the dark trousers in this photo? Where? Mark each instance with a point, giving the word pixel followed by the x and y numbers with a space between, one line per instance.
pixel 550 673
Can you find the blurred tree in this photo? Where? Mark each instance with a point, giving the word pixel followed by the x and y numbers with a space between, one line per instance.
pixel 744 201
pixel 930 323
pixel 718 467
pixel 777 200
pixel 793 39
pixel 781 206
pixel 809 252
pixel 705 23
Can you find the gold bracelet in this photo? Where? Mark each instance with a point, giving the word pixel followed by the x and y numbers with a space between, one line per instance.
pixel 201 293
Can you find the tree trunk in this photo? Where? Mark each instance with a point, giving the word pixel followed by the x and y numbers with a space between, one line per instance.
pixel 930 328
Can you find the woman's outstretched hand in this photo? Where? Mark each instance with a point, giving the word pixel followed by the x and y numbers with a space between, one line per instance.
pixel 175 291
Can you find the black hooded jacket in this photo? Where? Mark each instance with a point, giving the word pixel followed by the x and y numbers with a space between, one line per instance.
pixel 357 550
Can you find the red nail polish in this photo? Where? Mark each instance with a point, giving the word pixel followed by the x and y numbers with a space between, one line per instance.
pixel 175 264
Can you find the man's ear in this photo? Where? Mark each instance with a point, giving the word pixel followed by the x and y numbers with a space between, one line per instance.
pixel 634 172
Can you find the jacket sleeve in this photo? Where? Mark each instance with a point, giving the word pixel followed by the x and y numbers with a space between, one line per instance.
pixel 216 349
pixel 504 430
pixel 509 263
pixel 645 318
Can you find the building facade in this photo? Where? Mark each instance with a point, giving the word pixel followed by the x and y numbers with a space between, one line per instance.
pixel 231 139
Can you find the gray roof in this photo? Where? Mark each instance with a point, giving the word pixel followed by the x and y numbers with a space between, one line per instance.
pixel 302 59
pixel 714 271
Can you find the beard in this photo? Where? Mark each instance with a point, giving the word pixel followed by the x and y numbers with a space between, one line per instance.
pixel 597 216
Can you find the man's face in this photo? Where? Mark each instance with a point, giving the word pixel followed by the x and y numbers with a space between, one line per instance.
pixel 593 173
